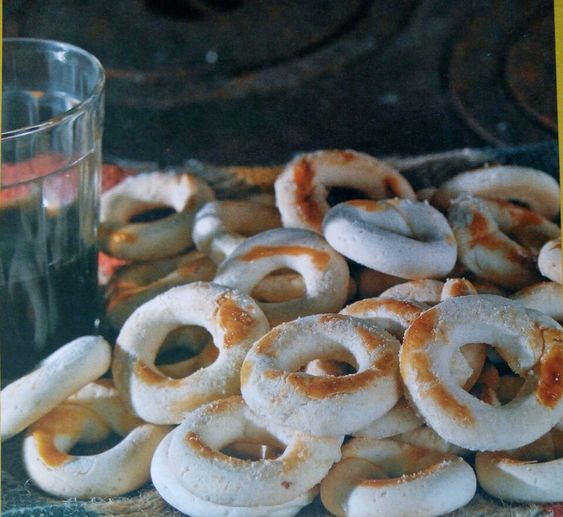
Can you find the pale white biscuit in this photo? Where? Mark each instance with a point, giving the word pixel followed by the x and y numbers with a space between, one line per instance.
pixel 393 315
pixel 325 272
pixel 426 291
pixel 57 377
pixel 497 246
pixel 546 297
pixel 183 194
pixel 431 292
pixel 425 437
pixel 273 385
pixel 232 318
pixel 549 260
pixel 303 186
pixel 528 340
pixel 386 477
pixel 207 473
pixel 170 488
pixel 134 284
pixel 399 237
pixel 220 226
pixel 117 471
pixel 457 287
pixel 511 477
pixel 535 188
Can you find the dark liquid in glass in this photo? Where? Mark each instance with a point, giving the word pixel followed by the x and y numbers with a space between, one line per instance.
pixel 48 267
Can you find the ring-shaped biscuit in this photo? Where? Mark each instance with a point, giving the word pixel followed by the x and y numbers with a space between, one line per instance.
pixel 206 472
pixel 524 480
pixel 273 385
pixel 549 261
pixel 117 471
pixel 386 477
pixel 431 292
pixel 57 377
pixel 220 226
pixel 232 318
pixel 134 284
pixel 529 228
pixel 546 297
pixel 457 287
pixel 325 272
pixel 425 291
pixel 174 493
pixel 399 237
pixel 102 397
pixel 182 194
pixel 534 188
pixel 390 314
pixel 302 188
pixel 529 341
pixel 486 249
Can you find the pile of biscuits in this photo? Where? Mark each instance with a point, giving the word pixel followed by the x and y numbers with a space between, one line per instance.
pixel 338 334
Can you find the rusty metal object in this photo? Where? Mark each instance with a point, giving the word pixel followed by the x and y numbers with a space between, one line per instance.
pixel 491 89
pixel 174 53
pixel 530 72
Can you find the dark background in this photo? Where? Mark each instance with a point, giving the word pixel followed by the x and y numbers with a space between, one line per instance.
pixel 251 81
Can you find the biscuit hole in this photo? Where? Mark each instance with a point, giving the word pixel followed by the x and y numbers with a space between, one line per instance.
pixel 152 214
pixel 338 195
pixel 509 387
pixel 186 350
pixel 91 449
pixel 281 285
pixel 467 365
pixel 336 364
pixel 257 445
pixel 497 384
pixel 253 451
pixel 329 367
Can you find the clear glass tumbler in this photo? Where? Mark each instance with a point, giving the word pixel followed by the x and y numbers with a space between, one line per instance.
pixel 52 120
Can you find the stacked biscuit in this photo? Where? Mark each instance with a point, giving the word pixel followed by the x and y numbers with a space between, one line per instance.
pixel 391 349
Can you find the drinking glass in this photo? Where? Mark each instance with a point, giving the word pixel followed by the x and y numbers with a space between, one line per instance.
pixel 52 120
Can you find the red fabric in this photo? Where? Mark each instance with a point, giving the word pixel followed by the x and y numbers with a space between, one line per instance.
pixel 106 267
pixel 113 174
pixel 41 165
pixel 36 167
pixel 555 509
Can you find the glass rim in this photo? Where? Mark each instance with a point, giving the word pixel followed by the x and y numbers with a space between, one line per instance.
pixel 96 92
